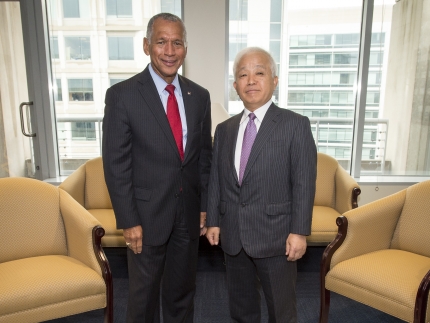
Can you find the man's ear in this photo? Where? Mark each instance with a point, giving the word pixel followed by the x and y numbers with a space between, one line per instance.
pixel 146 46
pixel 234 85
pixel 275 81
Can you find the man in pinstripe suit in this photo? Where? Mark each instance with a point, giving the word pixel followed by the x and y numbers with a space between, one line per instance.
pixel 261 193
pixel 157 168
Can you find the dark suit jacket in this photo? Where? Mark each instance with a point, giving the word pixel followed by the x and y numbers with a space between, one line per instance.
pixel 278 187
pixel 143 170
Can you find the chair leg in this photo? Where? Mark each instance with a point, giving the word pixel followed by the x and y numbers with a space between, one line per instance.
pixel 324 306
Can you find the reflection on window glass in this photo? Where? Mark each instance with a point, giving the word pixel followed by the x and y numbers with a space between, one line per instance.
pixel 77 48
pixel 119 8
pixel 80 89
pixel 121 48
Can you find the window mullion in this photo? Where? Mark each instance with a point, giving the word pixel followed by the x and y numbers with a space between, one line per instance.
pixel 363 71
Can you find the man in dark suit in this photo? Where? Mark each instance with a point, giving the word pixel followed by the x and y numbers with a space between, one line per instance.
pixel 261 193
pixel 157 153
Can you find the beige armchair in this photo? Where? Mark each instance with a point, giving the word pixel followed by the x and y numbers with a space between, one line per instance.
pixel 51 261
pixel 336 193
pixel 87 186
pixel 381 256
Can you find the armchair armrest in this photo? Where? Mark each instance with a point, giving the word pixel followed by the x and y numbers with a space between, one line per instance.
pixel 79 224
pixel 370 227
pixel 347 191
pixel 75 185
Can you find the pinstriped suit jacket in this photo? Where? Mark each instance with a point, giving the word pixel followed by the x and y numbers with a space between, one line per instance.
pixel 278 187
pixel 143 170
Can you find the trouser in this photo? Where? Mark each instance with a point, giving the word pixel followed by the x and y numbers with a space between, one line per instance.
pixel 173 266
pixel 277 277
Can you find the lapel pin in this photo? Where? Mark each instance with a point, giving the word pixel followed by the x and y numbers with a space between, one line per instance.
pixel 189 93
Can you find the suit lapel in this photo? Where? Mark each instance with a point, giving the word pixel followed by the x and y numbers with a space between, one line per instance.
pixel 233 130
pixel 149 92
pixel 270 121
pixel 190 114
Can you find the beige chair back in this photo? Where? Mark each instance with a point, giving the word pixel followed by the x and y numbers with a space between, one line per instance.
pixel 31 222
pixel 412 232
pixel 325 185
pixel 96 192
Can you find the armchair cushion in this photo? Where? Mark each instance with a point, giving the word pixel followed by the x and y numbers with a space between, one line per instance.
pixel 323 224
pixel 33 286
pixel 385 279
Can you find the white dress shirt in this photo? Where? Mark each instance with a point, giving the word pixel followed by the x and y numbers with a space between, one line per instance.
pixel 164 95
pixel 259 114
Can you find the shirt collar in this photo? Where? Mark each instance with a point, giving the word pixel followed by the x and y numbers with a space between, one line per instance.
pixel 259 113
pixel 161 84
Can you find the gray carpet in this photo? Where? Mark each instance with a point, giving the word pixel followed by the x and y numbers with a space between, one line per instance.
pixel 211 301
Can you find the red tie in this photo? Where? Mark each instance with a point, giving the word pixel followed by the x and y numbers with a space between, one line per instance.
pixel 174 118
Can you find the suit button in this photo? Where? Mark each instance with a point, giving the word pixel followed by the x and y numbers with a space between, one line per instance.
pixel 182 168
pixel 237 185
pixel 243 204
pixel 176 195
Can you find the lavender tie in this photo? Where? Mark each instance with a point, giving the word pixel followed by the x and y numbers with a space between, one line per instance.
pixel 248 141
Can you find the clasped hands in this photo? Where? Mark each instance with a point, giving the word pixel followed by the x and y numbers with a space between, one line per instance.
pixel 133 236
pixel 295 246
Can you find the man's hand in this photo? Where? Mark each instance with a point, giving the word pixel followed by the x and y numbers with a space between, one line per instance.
pixel 213 235
pixel 133 238
pixel 203 228
pixel 296 246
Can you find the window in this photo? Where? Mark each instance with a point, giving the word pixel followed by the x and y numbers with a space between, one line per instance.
pixel 310 41
pixel 54 47
pixel 376 58
pixel 347 40
pixel 237 43
pixel 374 79
pixel 58 93
pixel 342 98
pixel 346 59
pixel 378 39
pixel 78 48
pixel 121 48
pixel 238 9
pixel 119 8
pixel 308 97
pixel 311 59
pixel 76 9
pixel 83 131
pixel 172 6
pixel 80 89
pixel 372 98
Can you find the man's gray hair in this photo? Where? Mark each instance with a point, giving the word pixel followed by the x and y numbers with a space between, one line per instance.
pixel 250 50
pixel 168 17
